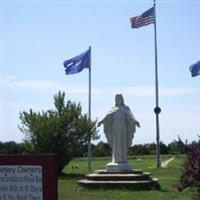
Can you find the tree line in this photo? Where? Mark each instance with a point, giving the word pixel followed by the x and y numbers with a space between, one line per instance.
pixel 101 149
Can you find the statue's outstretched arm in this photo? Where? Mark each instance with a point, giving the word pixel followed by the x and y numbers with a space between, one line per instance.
pixel 99 123
pixel 137 123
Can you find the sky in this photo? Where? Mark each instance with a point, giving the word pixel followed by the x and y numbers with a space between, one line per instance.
pixel 38 36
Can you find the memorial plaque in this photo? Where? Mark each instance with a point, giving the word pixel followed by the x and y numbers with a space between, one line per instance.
pixel 21 182
pixel 28 177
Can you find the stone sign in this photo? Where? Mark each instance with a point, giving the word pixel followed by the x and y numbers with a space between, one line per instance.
pixel 26 177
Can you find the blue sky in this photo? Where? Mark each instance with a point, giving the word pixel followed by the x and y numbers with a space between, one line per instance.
pixel 37 36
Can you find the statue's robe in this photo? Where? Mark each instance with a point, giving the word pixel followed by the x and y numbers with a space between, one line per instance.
pixel 119 128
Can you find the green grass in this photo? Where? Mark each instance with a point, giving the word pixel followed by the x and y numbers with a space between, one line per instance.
pixel 68 188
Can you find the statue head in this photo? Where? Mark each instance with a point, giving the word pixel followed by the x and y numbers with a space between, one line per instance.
pixel 119 101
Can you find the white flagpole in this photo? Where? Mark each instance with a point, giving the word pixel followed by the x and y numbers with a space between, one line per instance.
pixel 157 109
pixel 89 112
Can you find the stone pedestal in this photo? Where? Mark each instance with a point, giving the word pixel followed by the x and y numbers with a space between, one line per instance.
pixel 119 167
pixel 137 179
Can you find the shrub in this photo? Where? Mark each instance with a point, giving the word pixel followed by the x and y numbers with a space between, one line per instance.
pixel 190 176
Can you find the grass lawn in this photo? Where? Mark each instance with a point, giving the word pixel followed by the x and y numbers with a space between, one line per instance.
pixel 69 190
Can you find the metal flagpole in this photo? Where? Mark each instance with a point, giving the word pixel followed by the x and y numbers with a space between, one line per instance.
pixel 89 111
pixel 157 109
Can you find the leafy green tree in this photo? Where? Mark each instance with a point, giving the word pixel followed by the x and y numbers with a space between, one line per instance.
pixel 12 147
pixel 163 148
pixel 147 149
pixel 142 149
pixel 150 148
pixel 102 149
pixel 174 148
pixel 60 130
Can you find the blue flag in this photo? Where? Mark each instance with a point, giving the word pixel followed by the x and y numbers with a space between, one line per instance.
pixel 195 69
pixel 78 63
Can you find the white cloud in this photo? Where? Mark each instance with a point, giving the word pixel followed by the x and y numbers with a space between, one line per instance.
pixel 11 82
pixel 178 91
pixel 149 90
pixel 138 90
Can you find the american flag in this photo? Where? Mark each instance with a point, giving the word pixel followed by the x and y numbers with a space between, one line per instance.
pixel 144 19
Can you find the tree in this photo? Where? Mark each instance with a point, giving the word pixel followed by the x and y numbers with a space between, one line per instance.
pixel 12 147
pixel 60 130
pixel 142 149
pixel 173 148
pixel 163 148
pixel 102 149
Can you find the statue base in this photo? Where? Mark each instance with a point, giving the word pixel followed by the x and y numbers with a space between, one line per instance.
pixel 135 180
pixel 121 167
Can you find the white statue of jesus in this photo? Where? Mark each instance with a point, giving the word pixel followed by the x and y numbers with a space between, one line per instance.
pixel 119 128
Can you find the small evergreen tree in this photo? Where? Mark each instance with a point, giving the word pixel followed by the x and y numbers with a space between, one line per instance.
pixel 60 130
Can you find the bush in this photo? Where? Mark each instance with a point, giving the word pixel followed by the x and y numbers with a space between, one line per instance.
pixel 191 170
